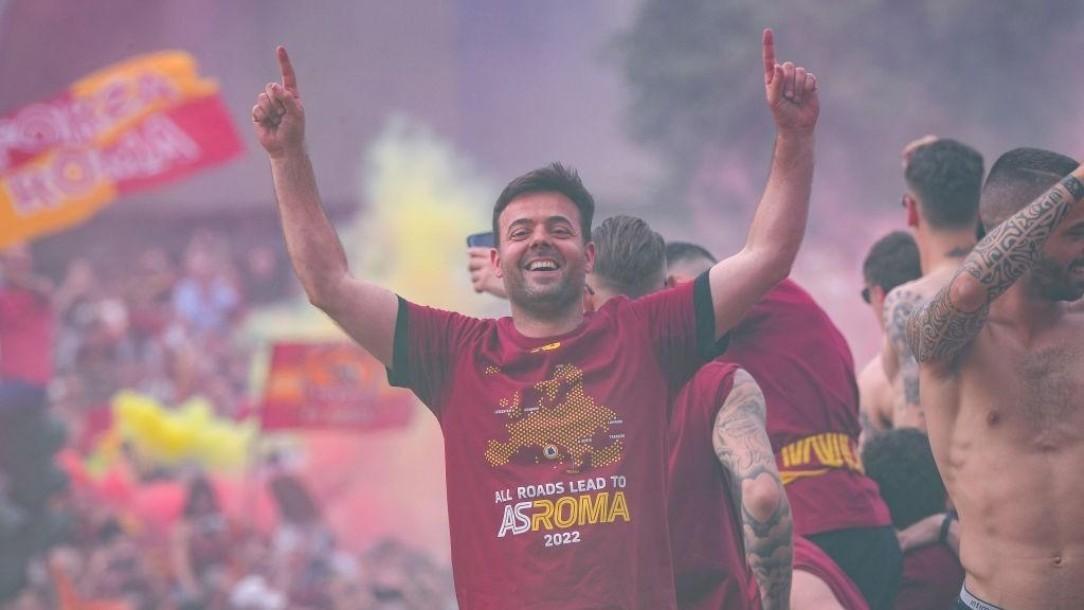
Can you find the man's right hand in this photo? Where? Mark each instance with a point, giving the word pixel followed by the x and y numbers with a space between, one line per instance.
pixel 278 116
pixel 482 276
pixel 790 90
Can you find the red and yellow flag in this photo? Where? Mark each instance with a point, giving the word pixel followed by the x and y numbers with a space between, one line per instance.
pixel 330 385
pixel 131 126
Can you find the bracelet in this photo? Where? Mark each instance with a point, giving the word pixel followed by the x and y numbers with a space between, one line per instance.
pixel 950 516
pixel 1075 188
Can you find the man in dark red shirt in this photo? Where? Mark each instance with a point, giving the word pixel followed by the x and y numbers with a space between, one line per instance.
pixel 805 369
pixel 730 523
pixel 27 326
pixel 553 419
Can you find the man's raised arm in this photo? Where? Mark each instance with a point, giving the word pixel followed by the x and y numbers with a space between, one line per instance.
pixel 739 281
pixel 364 310
pixel 956 315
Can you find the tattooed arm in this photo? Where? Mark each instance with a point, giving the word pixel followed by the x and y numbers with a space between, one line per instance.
pixel 954 317
pixel 900 306
pixel 741 443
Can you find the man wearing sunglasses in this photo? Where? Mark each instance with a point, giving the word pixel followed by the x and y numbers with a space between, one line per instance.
pixel 893 260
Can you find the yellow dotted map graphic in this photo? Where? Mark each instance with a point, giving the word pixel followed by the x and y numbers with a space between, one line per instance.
pixel 560 428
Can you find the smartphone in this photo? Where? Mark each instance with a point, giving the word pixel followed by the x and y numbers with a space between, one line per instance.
pixel 481 240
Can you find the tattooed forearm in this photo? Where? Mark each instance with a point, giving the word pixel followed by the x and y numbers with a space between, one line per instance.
pixel 742 446
pixel 950 321
pixel 941 330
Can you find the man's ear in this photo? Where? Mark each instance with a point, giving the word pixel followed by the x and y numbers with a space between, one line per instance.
pixel 911 205
pixel 589 255
pixel 495 260
pixel 877 298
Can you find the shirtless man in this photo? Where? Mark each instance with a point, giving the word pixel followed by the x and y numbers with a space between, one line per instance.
pixel 1000 368
pixel 891 261
pixel 944 178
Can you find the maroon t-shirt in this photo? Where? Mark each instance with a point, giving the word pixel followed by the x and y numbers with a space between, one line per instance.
pixel 26 336
pixel 710 570
pixel 932 578
pixel 555 448
pixel 803 364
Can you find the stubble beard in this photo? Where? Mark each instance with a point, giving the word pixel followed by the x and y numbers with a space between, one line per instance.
pixel 546 302
pixel 1057 283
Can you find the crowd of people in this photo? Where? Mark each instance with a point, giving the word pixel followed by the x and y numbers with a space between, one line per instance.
pixel 209 561
pixel 160 326
pixel 167 324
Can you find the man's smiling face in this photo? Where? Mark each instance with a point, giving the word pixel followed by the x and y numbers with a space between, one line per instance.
pixel 542 256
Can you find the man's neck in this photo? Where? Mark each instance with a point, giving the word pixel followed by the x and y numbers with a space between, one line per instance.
pixel 530 324
pixel 938 249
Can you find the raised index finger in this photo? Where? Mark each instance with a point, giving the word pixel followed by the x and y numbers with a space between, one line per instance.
pixel 289 81
pixel 768 47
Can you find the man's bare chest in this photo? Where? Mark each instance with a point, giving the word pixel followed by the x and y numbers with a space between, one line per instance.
pixel 1035 391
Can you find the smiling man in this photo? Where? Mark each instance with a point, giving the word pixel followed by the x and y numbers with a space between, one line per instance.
pixel 554 420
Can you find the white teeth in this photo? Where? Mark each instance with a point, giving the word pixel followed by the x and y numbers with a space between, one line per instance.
pixel 542 266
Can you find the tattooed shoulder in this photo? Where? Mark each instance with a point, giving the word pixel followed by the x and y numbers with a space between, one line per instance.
pixel 746 394
pixel 900 304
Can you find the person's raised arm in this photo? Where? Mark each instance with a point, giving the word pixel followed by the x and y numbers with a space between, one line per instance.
pixel 366 312
pixel 742 446
pixel 955 316
pixel 771 246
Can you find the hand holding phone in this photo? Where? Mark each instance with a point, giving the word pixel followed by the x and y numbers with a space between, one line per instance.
pixel 482 275
pixel 481 240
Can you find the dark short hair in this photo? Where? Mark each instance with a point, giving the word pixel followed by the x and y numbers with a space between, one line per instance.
pixel 553 178
pixel 683 251
pixel 629 257
pixel 901 462
pixel 891 261
pixel 1019 177
pixel 947 177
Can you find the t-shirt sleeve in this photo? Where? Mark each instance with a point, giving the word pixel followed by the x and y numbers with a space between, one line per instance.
pixel 719 374
pixel 428 342
pixel 723 381
pixel 680 324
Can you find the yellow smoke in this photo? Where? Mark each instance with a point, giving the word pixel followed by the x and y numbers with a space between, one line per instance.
pixel 424 200
pixel 421 199
pixel 187 434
